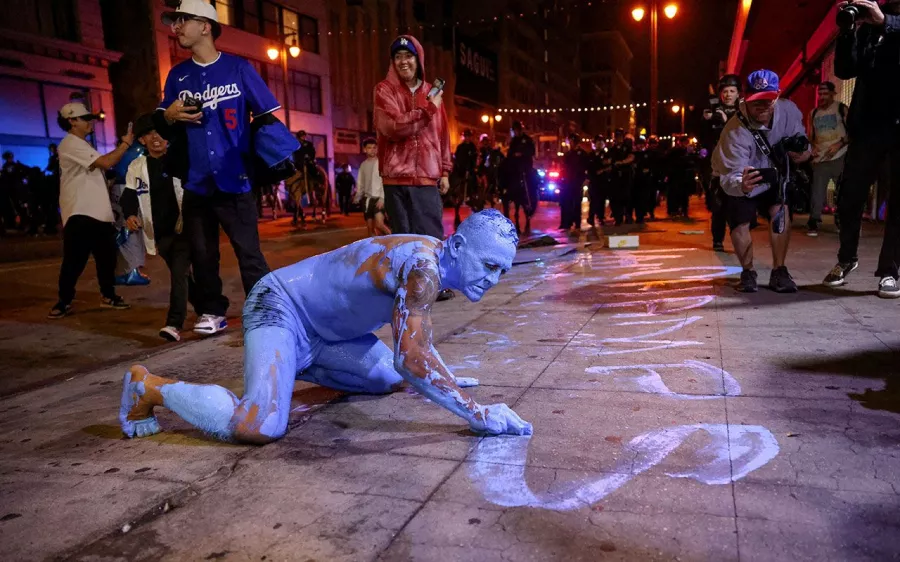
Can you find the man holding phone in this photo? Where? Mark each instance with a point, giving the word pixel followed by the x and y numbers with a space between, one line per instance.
pixel 413 143
pixel 753 178
pixel 205 115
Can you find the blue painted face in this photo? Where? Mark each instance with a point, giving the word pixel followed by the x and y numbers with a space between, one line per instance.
pixel 481 251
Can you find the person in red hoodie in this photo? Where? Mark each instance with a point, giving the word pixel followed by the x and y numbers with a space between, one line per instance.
pixel 413 144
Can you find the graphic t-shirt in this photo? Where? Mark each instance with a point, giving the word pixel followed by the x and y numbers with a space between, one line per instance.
pixel 829 127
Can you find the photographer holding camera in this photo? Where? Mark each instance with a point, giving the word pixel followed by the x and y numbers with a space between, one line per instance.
pixel 868 49
pixel 722 108
pixel 752 161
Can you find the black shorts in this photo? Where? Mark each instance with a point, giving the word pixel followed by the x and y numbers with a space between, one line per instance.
pixel 743 210
pixel 372 208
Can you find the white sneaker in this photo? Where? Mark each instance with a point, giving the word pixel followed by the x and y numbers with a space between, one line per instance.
pixel 888 288
pixel 170 333
pixel 209 324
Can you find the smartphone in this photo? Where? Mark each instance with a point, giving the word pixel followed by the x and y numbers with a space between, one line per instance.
pixel 436 87
pixel 194 104
pixel 769 175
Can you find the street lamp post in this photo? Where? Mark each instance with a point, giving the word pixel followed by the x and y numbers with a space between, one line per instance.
pixel 638 14
pixel 276 52
pixel 676 109
pixel 485 118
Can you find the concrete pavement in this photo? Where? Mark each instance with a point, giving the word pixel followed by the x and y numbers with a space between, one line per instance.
pixel 674 419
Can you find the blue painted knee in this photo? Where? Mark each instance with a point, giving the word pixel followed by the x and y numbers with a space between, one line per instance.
pixel 258 425
pixel 384 378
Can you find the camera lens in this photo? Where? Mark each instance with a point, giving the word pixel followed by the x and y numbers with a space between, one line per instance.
pixel 846 17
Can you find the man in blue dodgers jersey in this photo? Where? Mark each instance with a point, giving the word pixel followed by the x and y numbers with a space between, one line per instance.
pixel 217 142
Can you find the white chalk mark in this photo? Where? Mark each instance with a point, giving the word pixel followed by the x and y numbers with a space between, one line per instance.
pixel 655 307
pixel 732 452
pixel 652 382
pixel 715 272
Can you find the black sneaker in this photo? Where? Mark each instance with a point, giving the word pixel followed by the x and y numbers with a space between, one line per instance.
pixel 812 230
pixel 445 295
pixel 60 310
pixel 718 247
pixel 839 273
pixel 888 288
pixel 781 281
pixel 748 282
pixel 116 302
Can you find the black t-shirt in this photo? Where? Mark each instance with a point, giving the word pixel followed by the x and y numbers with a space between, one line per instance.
pixel 344 181
pixel 521 152
pixel 163 203
pixel 466 157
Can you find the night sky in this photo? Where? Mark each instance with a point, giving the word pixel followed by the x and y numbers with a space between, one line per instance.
pixel 690 48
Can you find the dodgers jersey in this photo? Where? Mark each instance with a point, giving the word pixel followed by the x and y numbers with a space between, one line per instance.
pixel 231 91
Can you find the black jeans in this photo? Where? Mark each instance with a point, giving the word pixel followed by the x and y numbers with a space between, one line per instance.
pixel 344 200
pixel 570 206
pixel 84 236
pixel 175 250
pixel 865 157
pixel 415 209
pixel 236 213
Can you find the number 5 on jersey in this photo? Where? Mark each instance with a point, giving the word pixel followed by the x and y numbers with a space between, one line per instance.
pixel 231 120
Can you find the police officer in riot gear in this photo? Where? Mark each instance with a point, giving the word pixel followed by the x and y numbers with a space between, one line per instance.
pixel 521 186
pixel 575 170
pixel 464 180
pixel 622 157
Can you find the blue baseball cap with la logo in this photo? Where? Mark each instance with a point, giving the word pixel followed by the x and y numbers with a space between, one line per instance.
pixel 762 85
pixel 403 43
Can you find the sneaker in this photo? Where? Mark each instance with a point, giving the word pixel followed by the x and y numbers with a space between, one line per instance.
pixel 170 333
pixel 60 310
pixel 839 273
pixel 748 282
pixel 781 281
pixel 718 247
pixel 116 302
pixel 133 278
pixel 888 288
pixel 445 295
pixel 209 324
pixel 812 231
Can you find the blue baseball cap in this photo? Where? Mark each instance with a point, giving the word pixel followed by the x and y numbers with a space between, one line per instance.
pixel 762 85
pixel 403 43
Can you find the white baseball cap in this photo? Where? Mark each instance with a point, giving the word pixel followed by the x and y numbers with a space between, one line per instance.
pixel 73 110
pixel 192 8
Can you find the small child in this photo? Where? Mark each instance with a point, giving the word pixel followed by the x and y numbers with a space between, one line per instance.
pixel 369 186
pixel 151 203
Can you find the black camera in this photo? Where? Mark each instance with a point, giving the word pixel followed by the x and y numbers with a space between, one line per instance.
pixel 847 16
pixel 798 143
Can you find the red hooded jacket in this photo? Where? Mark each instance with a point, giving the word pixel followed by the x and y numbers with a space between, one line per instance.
pixel 413 137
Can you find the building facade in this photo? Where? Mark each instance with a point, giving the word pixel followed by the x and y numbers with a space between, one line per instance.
pixel 52 52
pixel 361 35
pixel 606 81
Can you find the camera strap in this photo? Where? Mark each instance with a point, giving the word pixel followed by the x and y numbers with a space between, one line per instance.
pixel 761 142
pixel 779 221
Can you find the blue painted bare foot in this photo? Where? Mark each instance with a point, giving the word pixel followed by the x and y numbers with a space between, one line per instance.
pixel 135 409
pixel 467 382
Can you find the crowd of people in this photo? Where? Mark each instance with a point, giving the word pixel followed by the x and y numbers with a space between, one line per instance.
pixel 29 195
pixel 182 186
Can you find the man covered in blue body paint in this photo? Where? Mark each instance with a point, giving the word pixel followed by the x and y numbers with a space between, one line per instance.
pixel 314 321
